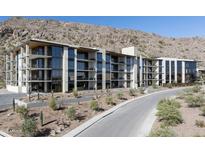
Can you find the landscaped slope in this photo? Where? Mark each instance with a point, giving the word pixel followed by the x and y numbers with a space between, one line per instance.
pixel 17 29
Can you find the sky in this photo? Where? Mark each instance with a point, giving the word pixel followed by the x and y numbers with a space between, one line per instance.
pixel 165 26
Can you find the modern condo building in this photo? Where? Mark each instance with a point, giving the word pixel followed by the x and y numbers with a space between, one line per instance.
pixel 40 65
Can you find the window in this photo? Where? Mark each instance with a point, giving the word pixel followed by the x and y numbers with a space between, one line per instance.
pixel 190 71
pixel 71 53
pixel 179 71
pixel 99 57
pixel 71 64
pixel 38 51
pixel 82 55
pixel 167 71
pixel 172 71
pixel 82 65
pixel 56 75
pixel 57 63
pixel 107 58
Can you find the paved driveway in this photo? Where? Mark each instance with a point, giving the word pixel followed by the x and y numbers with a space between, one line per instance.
pixel 134 119
pixel 6 97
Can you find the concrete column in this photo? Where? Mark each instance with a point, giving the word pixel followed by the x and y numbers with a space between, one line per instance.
pixel 141 71
pixel 175 71
pixel 134 70
pixel 183 71
pixel 20 72
pixel 11 68
pixel 125 74
pixel 27 68
pixel 6 69
pixel 103 69
pixel 45 71
pixel 75 69
pixel 170 72
pixel 65 70
pixel 163 71
pixel 95 67
pixel 157 71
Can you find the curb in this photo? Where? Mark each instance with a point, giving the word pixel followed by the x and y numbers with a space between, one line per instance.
pixel 3 134
pixel 95 119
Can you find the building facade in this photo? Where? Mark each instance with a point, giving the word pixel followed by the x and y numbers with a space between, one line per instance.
pixel 45 66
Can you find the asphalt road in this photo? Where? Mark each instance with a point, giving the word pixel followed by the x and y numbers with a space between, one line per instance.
pixel 6 97
pixel 133 119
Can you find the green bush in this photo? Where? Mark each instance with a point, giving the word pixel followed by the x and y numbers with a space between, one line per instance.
pixel 200 123
pixel 132 92
pixel 170 102
pixel 94 105
pixel 203 110
pixel 162 132
pixel 52 103
pixel 196 88
pixel 195 101
pixel 23 111
pixel 120 95
pixel 168 112
pixel 75 93
pixel 109 100
pixel 29 127
pixel 71 113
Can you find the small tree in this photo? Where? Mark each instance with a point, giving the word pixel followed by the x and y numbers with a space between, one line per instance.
pixel 23 111
pixel 41 118
pixel 75 93
pixel 94 105
pixel 14 105
pixel 52 103
pixel 71 113
pixel 109 100
pixel 120 95
pixel 132 92
pixel 29 127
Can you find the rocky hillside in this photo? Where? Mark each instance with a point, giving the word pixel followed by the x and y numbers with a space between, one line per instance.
pixel 17 29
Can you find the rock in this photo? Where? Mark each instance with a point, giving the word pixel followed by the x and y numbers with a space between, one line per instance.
pixel 9 130
pixel 53 133
pixel 59 129
pixel 9 114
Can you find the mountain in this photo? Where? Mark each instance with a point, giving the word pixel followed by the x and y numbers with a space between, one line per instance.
pixel 17 30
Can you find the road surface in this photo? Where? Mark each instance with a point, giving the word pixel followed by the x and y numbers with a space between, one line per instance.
pixel 134 119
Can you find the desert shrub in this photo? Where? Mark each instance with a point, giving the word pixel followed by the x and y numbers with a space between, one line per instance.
pixel 71 113
pixel 120 95
pixel 94 105
pixel 75 93
pixel 195 101
pixel 142 90
pixel 109 100
pixel 170 102
pixel 162 132
pixel 188 92
pixel 23 111
pixel 200 123
pixel 41 118
pixel 29 127
pixel 203 110
pixel 196 88
pixel 169 85
pixel 168 112
pixel 154 86
pixel 132 92
pixel 52 103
